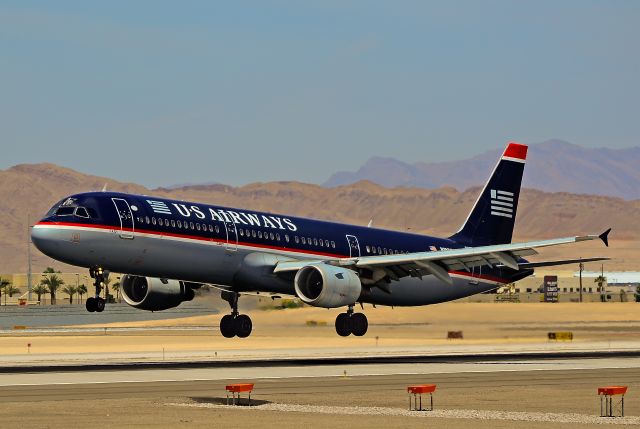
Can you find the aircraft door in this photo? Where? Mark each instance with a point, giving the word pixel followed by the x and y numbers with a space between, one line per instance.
pixel 126 218
pixel 232 236
pixel 354 246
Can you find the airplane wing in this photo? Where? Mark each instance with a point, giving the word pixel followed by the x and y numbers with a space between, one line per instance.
pixel 439 263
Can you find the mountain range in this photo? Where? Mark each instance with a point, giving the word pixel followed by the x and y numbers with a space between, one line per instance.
pixel 552 166
pixel 27 191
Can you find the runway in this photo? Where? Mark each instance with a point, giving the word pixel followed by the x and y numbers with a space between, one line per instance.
pixel 294 392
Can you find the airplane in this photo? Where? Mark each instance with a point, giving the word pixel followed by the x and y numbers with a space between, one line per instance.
pixel 169 248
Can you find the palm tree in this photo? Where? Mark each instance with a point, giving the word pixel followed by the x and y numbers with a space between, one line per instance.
pixel 53 282
pixel 3 285
pixel 40 290
pixel 116 287
pixel 11 290
pixel 601 280
pixel 82 289
pixel 70 290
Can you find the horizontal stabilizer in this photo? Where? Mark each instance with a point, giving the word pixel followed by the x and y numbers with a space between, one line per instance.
pixel 605 237
pixel 559 262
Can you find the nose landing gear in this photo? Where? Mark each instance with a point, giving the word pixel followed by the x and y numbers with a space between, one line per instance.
pixel 96 303
pixel 234 324
pixel 351 323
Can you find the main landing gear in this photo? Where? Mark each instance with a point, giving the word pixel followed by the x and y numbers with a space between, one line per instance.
pixel 234 324
pixel 95 303
pixel 351 323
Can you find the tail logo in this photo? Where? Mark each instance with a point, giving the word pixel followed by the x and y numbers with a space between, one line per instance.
pixel 501 203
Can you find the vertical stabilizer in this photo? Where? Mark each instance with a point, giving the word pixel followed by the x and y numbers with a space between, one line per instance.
pixel 493 216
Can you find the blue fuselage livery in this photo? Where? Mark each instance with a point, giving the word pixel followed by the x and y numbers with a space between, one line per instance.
pixel 225 236
pixel 167 248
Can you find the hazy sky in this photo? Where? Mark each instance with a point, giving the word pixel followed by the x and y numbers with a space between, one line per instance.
pixel 165 92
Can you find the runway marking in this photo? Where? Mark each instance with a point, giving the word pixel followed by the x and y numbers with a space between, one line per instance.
pixel 353 375
pixel 570 418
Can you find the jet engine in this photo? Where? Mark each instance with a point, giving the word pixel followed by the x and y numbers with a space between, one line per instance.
pixel 147 293
pixel 327 286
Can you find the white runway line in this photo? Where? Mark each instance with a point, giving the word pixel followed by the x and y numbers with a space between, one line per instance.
pixel 570 418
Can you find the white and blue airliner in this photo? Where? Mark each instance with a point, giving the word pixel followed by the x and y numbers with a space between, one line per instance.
pixel 168 248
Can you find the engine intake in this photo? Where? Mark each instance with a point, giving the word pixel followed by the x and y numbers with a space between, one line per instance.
pixel 327 286
pixel 147 293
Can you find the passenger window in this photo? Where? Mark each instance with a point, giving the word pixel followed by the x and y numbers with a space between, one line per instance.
pixel 379 250
pixel 297 240
pixel 253 233
pixel 198 226
pixel 326 243
pixel 286 238
pixel 309 241
pixel 304 241
pixel 385 250
pixel 191 225
pixel 368 249
pixel 271 236
pixel 179 224
pixel 259 234
pixel 153 220
pixel 217 229
pixel 277 237
pixel 173 223
pixel 241 232
pixel 148 221
pixel 333 244
pixel 321 243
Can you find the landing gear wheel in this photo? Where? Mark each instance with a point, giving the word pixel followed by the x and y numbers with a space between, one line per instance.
pixel 359 324
pixel 227 326
pixel 99 305
pixel 243 326
pixel 90 304
pixel 343 325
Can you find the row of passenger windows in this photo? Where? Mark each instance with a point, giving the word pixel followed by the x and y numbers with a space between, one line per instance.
pixel 377 250
pixel 242 232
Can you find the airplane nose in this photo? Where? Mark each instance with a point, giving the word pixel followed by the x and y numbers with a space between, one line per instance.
pixel 43 239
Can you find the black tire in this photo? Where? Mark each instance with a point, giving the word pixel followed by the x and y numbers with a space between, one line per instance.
pixel 343 325
pixel 244 326
pixel 100 303
pixel 227 326
pixel 359 324
pixel 90 304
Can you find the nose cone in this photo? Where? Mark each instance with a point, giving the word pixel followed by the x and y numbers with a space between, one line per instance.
pixel 44 239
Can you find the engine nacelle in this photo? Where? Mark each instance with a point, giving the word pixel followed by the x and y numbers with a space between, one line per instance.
pixel 147 293
pixel 327 286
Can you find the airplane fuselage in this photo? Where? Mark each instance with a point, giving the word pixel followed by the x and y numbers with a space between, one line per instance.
pixel 235 248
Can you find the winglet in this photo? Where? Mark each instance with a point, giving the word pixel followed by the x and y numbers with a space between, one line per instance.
pixel 605 237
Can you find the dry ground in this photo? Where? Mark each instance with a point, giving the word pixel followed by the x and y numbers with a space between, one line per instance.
pixel 481 323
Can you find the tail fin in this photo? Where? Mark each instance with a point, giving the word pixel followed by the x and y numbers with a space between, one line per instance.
pixel 492 218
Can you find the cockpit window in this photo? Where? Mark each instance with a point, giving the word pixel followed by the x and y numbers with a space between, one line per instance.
pixel 65 211
pixel 81 212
